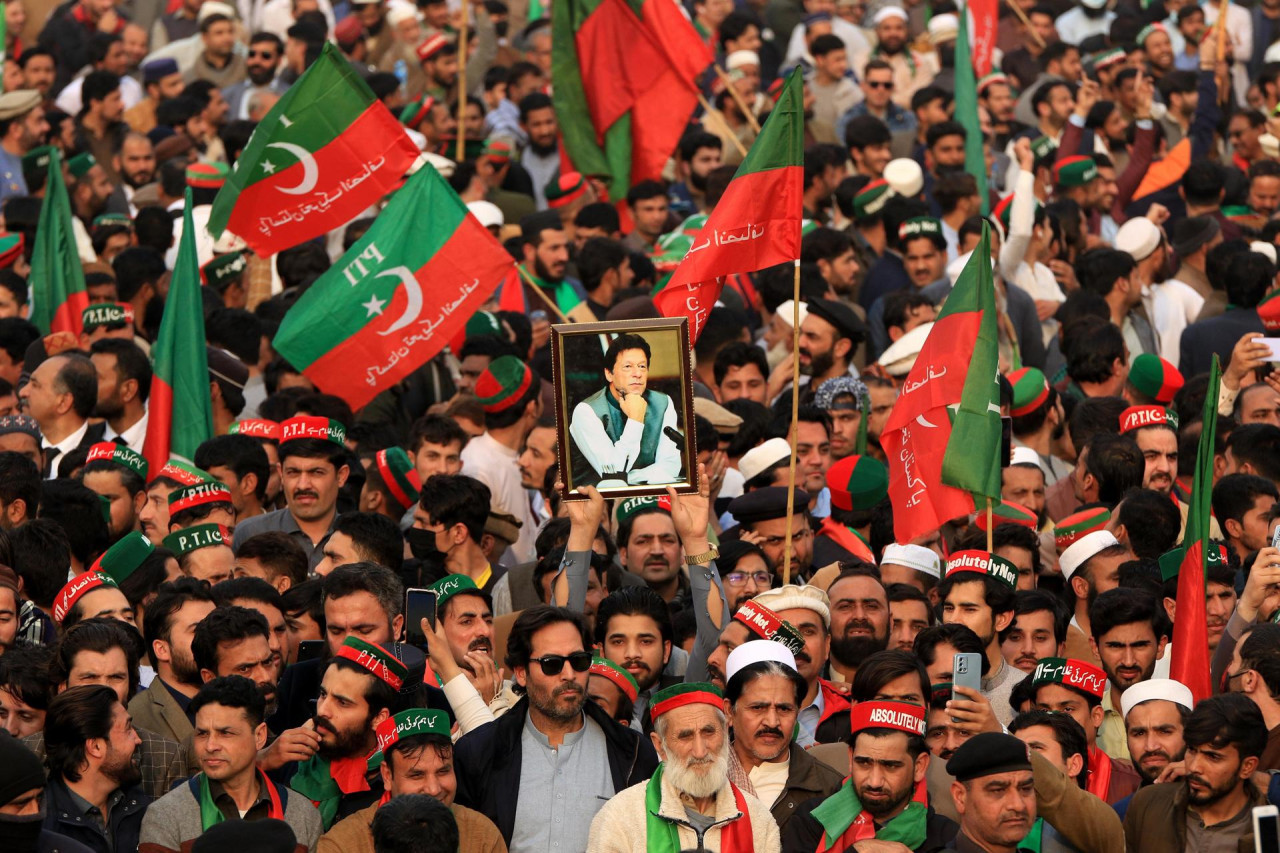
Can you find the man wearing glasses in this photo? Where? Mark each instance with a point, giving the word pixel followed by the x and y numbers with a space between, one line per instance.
pixel 541 771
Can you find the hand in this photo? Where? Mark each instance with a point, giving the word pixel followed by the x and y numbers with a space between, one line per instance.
pixel 1158 213
pixel 1026 157
pixel 109 21
pixel 751 536
pixel 541 334
pixel 715 471
pixel 690 514
pixel 439 655
pixel 634 407
pixel 584 517
pixel 293 745
pixel 1248 354
pixel 1065 274
pixel 1262 586
pixel 1086 97
pixel 973 713
pixel 780 376
pixel 1145 95
pixel 487 679
pixel 875 845
pixel 1046 308
pixel 1172 772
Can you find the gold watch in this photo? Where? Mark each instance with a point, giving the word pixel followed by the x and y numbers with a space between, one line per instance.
pixel 703 558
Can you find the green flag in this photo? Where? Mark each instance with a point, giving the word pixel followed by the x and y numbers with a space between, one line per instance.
pixel 966 112
pixel 58 295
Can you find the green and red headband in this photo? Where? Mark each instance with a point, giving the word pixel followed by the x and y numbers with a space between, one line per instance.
pixel 606 668
pixel 1080 524
pixel 399 475
pixel 10 247
pixel 689 693
pixel 306 426
pixel 416 111
pixel 123 558
pixel 887 715
pixel 1269 312
pixel 1007 512
pixel 120 454
pixel 411 723
pixel 1137 417
pixel 767 625
pixel 379 662
pixel 1030 390
pixel 189 497
pixel 503 383
pixel 78 587
pixel 1070 672
pixel 197 536
pixel 181 472
pixel 257 428
pixel 983 563
pixel 565 189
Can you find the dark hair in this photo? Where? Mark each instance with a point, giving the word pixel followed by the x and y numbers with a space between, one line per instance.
pixel 157 622
pixel 996 594
pixel 1116 463
pixel 1098 270
pixel 633 601
pixel 227 624
pixel 457 499
pixel 242 454
pixel 1227 719
pixel 16 285
pixel 1202 183
pixel 739 354
pixel 952 187
pixel 97 86
pixel 16 334
pixel 879 668
pixel 598 214
pixel 621 344
pixel 231 691
pixel 99 635
pixel 866 130
pixel 1066 731
pixel 19 480
pixel 379 581
pixel 131 362
pixel 78 377
pixel 374 535
pixel 694 141
pixel 41 554
pixel 1260 652
pixel 1094 415
pixel 530 622
pixel 1037 600
pixel 78 511
pixel 135 267
pixel 76 715
pixel 533 102
pixel 959 637
pixel 598 256
pixel 1257 445
pixel 749 673
pixel 247 589
pixel 306 597
pixel 235 330
pixel 436 429
pixel 24 672
pixel 1126 606
pixel 1249 277
pixel 414 823
pixel 278 553
pixel 1151 521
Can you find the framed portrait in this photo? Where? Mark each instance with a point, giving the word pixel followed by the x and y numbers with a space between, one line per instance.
pixel 624 407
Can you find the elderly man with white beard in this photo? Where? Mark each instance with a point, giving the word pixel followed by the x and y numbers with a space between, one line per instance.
pixel 690 802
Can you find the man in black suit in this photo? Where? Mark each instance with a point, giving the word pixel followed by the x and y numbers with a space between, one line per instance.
pixel 60 396
pixel 1249 276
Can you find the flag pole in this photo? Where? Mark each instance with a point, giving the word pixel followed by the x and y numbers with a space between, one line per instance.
pixel 742 149
pixel 1026 22
pixel 462 86
pixel 989 530
pixel 795 413
pixel 737 97
pixel 1222 30
pixel 538 290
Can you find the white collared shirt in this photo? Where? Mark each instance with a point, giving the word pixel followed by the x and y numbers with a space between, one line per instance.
pixel 134 436
pixel 71 442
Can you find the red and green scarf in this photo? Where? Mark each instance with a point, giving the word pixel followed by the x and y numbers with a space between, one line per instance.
pixel 663 836
pixel 326 782
pixel 845 822
pixel 211 814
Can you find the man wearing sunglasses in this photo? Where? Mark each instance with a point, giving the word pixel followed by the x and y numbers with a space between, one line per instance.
pixel 542 771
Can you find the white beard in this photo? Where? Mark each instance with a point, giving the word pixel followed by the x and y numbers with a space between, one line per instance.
pixel 705 781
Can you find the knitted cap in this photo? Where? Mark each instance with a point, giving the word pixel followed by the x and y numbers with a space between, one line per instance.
pixel 380 663
pixel 503 383
pixel 1030 390
pixel 1079 524
pixel 256 428
pixel 77 588
pixel 1156 378
pixel 688 693
pixel 223 269
pixel 200 494
pixel 857 482
pixel 410 723
pixel 11 244
pixel 120 454
pixel 80 164
pixel 1007 512
pixel 208 176
pixel 399 475
pixel 197 536
pixel 887 715
pixel 565 189
pixel 1165 689
pixel 1069 672
pixel 1137 417
pixel 606 668
pixel 305 426
pixel 767 625
pixel 1074 171
pixel 123 558
pixel 871 199
pixel 983 563
pixel 113 315
pixel 449 586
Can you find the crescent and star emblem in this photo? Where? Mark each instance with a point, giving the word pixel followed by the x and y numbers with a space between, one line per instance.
pixel 310 171
pixel 412 290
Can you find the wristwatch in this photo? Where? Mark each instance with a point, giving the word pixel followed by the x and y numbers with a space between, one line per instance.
pixel 703 558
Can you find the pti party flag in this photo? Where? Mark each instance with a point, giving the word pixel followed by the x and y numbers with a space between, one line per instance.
pixel 179 406
pixel 327 150
pixel 756 223
pixel 58 295
pixel 968 65
pixel 397 296
pixel 1190 663
pixel 624 74
pixel 942 439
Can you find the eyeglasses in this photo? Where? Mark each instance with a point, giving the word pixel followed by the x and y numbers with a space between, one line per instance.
pixel 880 84
pixel 264 54
pixel 554 664
pixel 739 578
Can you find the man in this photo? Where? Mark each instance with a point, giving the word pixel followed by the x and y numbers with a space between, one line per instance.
pixel 859 621
pixel 978 592
pixel 621 433
pixel 751 621
pixel 313 469
pixel 541 158
pixel 698 155
pixel 218 62
pixel 466 618
pixel 273 557
pixel 1155 429
pixel 514 770
pixel 1130 633
pixel 391 485
pixel 266 52
pixel 22 128
pixel 237 641
pixel 1090 558
pixel 691 737
pixel 124 381
pixel 161 80
pixel 238 462
pixel 451 515
pixel 168 628
pixel 763 513
pixel 88 596
pixel 92 795
pixel 741 372
pixel 61 396
pixel 24 689
pixel 1210 807
pixel 633 629
pixel 118 475
pixel 435 445
pixel 365 537
pixel 229 731
pixel 417 758
pixel 1155 713
pixel 888 761
pixel 1242 504
pixel 1251 673
pixel 1038 630
pixel 647 201
pixel 829 337
pixel 993 791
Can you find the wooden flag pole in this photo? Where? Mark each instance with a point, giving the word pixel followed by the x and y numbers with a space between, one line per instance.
pixel 1026 22
pixel 543 296
pixel 795 412
pixel 1222 30
pixel 989 527
pixel 462 86
pixel 737 98
pixel 720 117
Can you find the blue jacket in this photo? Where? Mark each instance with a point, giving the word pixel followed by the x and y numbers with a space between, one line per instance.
pixel 124 824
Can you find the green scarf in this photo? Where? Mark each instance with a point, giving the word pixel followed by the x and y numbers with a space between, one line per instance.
pixel 210 814
pixel 561 292
pixel 663 836
pixel 842 812
pixel 1031 843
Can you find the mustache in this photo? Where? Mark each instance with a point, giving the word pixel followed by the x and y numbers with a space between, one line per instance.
pixel 566 689
pixel 322 723
pixel 480 643
pixel 1154 754
pixel 305 493
pixel 803 656
pixel 769 730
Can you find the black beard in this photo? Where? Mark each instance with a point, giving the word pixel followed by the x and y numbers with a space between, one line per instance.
pixel 698 182
pixel 893 50
pixel 262 77
pixel 818 364
pixel 543 273
pixel 544 150
pixel 851 651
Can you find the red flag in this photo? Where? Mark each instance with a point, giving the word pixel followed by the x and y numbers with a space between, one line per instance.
pixel 984 26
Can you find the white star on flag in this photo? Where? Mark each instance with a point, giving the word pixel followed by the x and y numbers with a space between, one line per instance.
pixel 374 306
pixel 285 121
pixel 268 167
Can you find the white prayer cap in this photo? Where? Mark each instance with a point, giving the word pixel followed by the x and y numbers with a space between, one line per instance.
pixel 943 28
pixel 1079 551
pixel 763 456
pixel 795 597
pixel 757 651
pixel 1138 237
pixel 957 266
pixel 1268 249
pixel 213 7
pixel 1024 456
pixel 487 212
pixel 900 357
pixel 1269 144
pixel 397 13
pixel 918 557
pixel 741 59
pixel 787 311
pixel 904 176
pixel 1155 688
pixel 889 12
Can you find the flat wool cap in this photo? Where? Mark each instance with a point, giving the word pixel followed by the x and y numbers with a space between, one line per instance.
pixel 987 754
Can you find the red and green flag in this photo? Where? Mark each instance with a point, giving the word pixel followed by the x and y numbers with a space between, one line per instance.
pixel 1190 663
pixel 327 150
pixel 397 296
pixel 180 409
pixel 624 73
pixel 970 48
pixel 943 437
pixel 756 223
pixel 58 295
pixel 981 20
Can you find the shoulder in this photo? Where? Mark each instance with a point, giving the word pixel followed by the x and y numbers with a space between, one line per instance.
pixel 1153 798
pixel 299 805
pixel 472 823
pixel 630 799
pixel 259 524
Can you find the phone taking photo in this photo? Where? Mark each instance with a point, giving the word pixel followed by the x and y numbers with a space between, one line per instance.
pixel 419 604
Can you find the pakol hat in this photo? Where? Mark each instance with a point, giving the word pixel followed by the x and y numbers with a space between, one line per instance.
pixel 1268 313
pixel 922 559
pixel 871 199
pixel 631 507
pixel 450 585
pixel 77 588
pixel 433 45
pixel 1156 688
pixel 1138 237
pixel 414 112
pixel 1158 379
pixel 11 244
pixel 181 472
pixel 80 164
pixel 399 475
pixel 379 662
pixel 503 383
pixel 793 597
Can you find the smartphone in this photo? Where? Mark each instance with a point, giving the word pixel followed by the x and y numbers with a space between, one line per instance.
pixel 966 671
pixel 1274 344
pixel 419 604
pixel 1275 538
pixel 1266 829
pixel 1006 441
pixel 310 650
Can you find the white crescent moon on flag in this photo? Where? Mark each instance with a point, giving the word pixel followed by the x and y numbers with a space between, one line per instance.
pixel 414 293
pixel 920 420
pixel 310 171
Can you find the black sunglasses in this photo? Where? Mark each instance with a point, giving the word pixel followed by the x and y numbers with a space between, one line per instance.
pixel 554 664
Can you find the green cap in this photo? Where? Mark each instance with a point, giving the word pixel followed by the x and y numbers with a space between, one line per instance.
pixel 1074 171
pixel 449 586
pixel 197 536
pixel 223 269
pixel 503 383
pixel 411 723
pixel 123 558
pixel 80 164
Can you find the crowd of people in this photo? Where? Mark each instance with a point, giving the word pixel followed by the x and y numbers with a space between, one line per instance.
pixel 217 653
